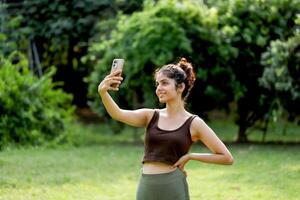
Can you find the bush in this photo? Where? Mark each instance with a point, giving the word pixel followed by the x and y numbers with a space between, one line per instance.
pixel 32 111
pixel 281 75
pixel 166 33
pixel 252 26
pixel 224 39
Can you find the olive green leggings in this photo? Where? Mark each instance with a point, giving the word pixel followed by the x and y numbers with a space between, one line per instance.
pixel 168 186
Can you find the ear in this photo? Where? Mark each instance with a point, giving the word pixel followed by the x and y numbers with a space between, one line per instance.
pixel 181 87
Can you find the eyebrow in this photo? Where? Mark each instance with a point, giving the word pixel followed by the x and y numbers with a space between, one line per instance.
pixel 162 80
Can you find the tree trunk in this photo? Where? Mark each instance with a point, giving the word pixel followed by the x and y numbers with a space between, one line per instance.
pixel 74 79
pixel 265 130
pixel 242 136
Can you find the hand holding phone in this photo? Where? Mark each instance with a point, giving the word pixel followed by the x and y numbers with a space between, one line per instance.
pixel 117 64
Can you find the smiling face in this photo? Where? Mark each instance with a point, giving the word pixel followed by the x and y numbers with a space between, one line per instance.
pixel 166 89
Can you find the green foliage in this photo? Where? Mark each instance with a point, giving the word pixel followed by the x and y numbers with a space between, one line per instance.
pixel 253 25
pixel 60 30
pixel 60 25
pixel 281 74
pixel 225 41
pixel 12 36
pixel 276 74
pixel 167 31
pixel 32 111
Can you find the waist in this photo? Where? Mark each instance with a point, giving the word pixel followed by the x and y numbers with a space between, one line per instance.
pixel 157 168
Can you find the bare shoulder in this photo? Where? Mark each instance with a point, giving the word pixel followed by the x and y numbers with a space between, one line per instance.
pixel 197 126
pixel 147 113
pixel 197 123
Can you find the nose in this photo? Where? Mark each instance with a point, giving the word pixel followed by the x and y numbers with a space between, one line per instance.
pixel 158 87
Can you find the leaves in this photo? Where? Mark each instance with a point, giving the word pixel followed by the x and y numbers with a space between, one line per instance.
pixel 32 111
pixel 281 75
pixel 166 32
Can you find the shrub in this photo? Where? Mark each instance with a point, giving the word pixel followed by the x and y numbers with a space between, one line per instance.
pixel 281 75
pixel 166 33
pixel 32 111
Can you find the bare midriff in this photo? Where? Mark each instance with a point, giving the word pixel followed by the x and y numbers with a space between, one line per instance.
pixel 157 168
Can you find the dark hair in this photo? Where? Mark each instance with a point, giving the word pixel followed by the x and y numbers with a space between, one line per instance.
pixel 182 72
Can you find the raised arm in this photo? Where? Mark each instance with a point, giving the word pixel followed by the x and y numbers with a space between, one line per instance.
pixel 220 154
pixel 139 118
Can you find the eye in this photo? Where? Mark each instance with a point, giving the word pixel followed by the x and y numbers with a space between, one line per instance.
pixel 161 83
pixel 164 83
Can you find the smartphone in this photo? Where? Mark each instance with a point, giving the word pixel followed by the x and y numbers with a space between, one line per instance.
pixel 117 64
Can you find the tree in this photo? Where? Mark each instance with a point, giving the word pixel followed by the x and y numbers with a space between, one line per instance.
pixel 61 31
pixel 169 30
pixel 281 75
pixel 32 111
pixel 224 41
pixel 255 25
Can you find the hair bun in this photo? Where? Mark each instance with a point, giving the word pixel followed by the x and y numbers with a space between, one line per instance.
pixel 182 72
pixel 183 61
pixel 188 69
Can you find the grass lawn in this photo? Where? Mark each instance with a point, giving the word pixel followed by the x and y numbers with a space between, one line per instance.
pixel 111 172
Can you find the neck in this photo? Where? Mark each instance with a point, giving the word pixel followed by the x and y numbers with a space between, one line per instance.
pixel 175 107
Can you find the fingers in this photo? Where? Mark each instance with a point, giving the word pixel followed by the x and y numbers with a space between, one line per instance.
pixel 114 79
pixel 180 166
pixel 175 165
pixel 110 83
pixel 115 73
pixel 184 172
pixel 114 82
pixel 114 88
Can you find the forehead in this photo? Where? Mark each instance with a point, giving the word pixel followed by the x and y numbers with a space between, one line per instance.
pixel 161 76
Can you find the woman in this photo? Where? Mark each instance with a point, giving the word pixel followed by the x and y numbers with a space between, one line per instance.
pixel 169 133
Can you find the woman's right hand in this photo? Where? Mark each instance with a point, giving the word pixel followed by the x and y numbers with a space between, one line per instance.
pixel 110 82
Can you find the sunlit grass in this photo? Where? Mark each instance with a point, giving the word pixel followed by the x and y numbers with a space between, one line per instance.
pixel 111 172
pixel 103 165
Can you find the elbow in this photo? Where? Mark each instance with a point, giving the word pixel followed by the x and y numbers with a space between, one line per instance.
pixel 226 159
pixel 115 116
pixel 229 160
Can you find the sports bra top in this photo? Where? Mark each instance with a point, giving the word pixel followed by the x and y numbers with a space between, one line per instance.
pixel 166 146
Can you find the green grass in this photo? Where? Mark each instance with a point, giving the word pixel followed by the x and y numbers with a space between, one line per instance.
pixel 105 166
pixel 111 172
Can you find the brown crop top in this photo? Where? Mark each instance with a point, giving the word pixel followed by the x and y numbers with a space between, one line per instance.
pixel 166 146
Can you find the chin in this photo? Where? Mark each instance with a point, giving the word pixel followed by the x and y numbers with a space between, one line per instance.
pixel 161 100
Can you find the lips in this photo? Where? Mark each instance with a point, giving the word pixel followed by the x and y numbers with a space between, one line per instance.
pixel 160 95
